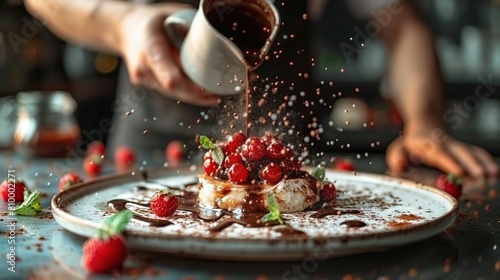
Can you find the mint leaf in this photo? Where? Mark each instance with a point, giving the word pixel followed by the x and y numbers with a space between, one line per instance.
pixel 319 173
pixel 274 211
pixel 25 211
pixel 31 204
pixel 215 151
pixel 217 155
pixel 206 143
pixel 116 224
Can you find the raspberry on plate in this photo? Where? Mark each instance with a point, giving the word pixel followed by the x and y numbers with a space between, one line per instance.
pixel 164 203
pixel 69 179
pixel 16 187
pixel 451 184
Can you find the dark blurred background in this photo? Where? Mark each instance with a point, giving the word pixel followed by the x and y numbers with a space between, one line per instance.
pixel 467 39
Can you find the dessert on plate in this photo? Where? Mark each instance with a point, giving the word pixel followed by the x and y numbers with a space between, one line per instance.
pixel 239 175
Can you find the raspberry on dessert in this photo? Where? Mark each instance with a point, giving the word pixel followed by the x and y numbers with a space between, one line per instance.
pixel 210 166
pixel 235 141
pixel 254 149
pixel 276 150
pixel 451 184
pixel 231 159
pixel 238 173
pixel 68 180
pixel 271 173
pixel 16 187
pixel 164 203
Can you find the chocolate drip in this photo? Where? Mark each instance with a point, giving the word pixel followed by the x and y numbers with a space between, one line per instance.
pixel 226 223
pixel 353 224
pixel 330 210
pixel 288 231
pixel 247 220
pixel 119 204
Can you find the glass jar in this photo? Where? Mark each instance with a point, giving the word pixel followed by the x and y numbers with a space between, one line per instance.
pixel 45 125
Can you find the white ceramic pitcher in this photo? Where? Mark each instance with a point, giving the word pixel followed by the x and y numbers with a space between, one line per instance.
pixel 209 58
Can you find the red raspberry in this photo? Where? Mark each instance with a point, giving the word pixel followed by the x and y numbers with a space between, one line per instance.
pixel 210 166
pixel 124 156
pixel 254 149
pixel 329 192
pixel 268 138
pixel 276 150
pixel 238 173
pixel 451 184
pixel 92 165
pixel 164 203
pixel 104 255
pixel 232 159
pixel 175 152
pixel 290 164
pixel 345 164
pixel 14 188
pixel 69 179
pixel 271 173
pixel 235 141
pixel 96 148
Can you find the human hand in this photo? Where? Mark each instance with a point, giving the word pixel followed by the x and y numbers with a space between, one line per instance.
pixel 152 61
pixel 436 148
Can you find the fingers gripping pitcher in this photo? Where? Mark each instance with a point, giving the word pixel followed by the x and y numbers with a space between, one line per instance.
pixel 225 39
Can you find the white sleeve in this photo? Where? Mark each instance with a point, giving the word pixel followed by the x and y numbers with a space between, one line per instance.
pixel 364 8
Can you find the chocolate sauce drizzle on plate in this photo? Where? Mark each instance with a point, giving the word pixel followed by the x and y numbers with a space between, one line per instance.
pixel 188 203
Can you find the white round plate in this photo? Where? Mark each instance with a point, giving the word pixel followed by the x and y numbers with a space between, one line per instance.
pixel 392 212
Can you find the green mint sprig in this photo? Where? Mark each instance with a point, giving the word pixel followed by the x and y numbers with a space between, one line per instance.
pixel 215 151
pixel 31 204
pixel 274 211
pixel 319 173
pixel 115 224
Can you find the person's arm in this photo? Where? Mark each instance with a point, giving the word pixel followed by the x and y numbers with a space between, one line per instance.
pixel 416 86
pixel 92 23
pixel 132 31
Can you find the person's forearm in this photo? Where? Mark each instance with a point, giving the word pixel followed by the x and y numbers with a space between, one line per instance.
pixel 414 74
pixel 92 23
